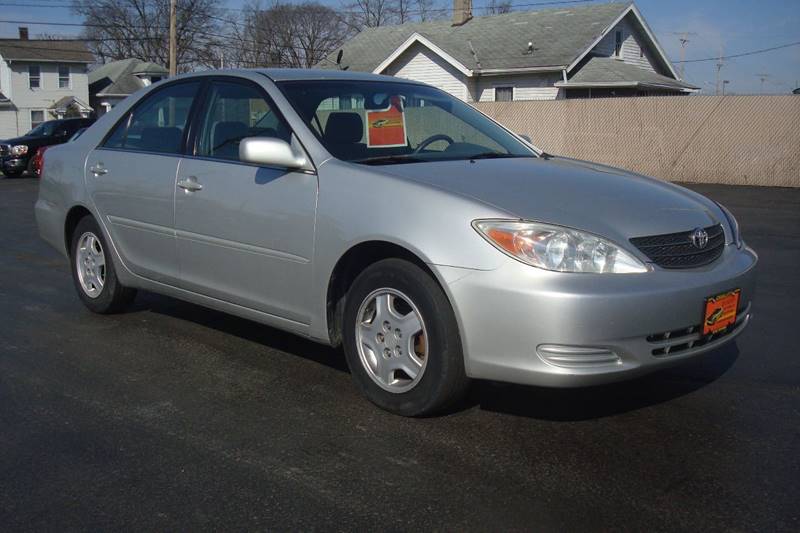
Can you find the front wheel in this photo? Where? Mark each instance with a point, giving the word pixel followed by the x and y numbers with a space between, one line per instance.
pixel 401 340
pixel 93 271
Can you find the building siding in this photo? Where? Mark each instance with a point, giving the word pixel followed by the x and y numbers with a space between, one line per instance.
pixel 632 42
pixel 532 86
pixel 8 123
pixel 26 99
pixel 421 64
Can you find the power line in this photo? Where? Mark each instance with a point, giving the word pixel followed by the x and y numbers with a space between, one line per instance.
pixel 742 54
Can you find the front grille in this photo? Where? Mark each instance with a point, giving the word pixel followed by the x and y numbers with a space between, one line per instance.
pixel 679 340
pixel 675 250
pixel 5 149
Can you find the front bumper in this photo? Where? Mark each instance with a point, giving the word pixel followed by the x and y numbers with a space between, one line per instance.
pixel 520 324
pixel 13 165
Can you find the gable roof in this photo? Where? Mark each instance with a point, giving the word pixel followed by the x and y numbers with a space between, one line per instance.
pixel 65 101
pixel 559 36
pixel 119 77
pixel 62 51
pixel 612 72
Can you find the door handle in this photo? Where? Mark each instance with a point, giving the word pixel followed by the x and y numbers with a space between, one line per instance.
pixel 98 170
pixel 189 184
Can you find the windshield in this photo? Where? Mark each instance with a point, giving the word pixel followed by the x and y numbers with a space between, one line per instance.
pixel 45 129
pixel 379 123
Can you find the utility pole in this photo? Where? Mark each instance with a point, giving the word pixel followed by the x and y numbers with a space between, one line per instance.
pixel 173 37
pixel 719 65
pixel 763 78
pixel 683 37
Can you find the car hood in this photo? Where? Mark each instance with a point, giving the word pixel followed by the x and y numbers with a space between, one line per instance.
pixel 22 140
pixel 587 196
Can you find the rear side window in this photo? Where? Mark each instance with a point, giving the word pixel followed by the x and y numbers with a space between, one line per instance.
pixel 157 123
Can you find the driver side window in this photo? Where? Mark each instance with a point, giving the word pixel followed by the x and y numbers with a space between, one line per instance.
pixel 234 111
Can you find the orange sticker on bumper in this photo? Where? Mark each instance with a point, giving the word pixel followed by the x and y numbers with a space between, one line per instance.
pixel 720 311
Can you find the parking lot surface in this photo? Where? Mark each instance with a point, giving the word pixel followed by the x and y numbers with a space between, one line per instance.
pixel 173 416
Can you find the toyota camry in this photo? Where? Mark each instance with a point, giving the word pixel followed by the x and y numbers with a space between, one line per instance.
pixel 386 216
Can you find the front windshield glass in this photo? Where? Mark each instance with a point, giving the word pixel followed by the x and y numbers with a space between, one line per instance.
pixel 45 129
pixel 377 123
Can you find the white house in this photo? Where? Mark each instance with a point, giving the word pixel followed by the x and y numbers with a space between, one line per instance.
pixel 41 80
pixel 596 50
pixel 112 82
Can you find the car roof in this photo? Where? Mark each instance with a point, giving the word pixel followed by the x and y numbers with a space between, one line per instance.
pixel 296 74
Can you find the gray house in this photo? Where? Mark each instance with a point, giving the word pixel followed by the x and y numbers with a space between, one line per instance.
pixel 587 51
pixel 115 81
pixel 41 80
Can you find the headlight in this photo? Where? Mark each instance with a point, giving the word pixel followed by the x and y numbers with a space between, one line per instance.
pixel 557 248
pixel 19 149
pixel 733 224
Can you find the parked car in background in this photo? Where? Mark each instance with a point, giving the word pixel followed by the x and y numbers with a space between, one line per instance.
pixel 38 161
pixel 391 218
pixel 17 155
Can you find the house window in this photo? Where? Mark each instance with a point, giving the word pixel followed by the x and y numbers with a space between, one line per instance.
pixel 63 77
pixel 34 76
pixel 37 117
pixel 618 43
pixel 503 94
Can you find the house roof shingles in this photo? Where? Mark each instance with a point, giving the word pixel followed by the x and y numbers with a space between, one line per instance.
pixel 608 71
pixel 558 35
pixel 120 76
pixel 64 51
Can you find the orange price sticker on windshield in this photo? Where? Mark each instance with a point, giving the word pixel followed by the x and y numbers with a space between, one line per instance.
pixel 720 311
pixel 387 127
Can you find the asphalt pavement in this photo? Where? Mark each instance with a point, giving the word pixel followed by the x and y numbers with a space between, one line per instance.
pixel 176 417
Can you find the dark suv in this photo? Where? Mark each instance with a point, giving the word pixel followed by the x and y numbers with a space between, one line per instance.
pixel 16 155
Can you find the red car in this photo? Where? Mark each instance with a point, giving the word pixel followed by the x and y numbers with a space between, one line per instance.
pixel 38 161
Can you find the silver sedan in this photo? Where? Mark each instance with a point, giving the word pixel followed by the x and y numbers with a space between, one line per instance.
pixel 393 219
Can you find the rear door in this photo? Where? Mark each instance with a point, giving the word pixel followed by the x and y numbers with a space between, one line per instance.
pixel 245 233
pixel 131 179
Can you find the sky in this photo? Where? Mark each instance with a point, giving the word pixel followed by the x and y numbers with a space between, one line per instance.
pixel 730 26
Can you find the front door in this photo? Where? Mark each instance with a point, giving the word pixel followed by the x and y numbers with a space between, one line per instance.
pixel 131 180
pixel 245 233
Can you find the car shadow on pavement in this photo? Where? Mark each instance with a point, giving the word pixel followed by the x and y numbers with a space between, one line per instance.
pixel 266 336
pixel 606 400
pixel 534 402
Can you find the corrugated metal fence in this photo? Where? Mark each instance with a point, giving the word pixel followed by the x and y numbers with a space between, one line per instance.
pixel 740 140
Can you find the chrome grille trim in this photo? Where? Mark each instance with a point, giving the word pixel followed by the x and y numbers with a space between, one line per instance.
pixel 675 250
pixel 678 341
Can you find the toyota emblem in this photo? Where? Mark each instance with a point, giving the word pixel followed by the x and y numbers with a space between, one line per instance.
pixel 699 238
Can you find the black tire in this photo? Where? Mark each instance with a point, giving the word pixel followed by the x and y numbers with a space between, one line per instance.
pixel 12 174
pixel 443 381
pixel 113 297
pixel 29 168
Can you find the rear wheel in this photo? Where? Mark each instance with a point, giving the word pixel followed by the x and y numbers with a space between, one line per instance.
pixel 93 271
pixel 401 340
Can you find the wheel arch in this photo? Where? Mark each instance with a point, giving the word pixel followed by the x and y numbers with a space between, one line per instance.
pixel 74 215
pixel 357 258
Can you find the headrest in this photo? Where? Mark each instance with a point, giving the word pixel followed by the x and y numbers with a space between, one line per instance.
pixel 224 131
pixel 344 128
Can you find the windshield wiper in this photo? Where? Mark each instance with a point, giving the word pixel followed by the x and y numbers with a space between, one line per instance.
pixel 388 160
pixel 493 155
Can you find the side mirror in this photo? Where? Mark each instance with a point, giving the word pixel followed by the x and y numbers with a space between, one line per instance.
pixel 525 138
pixel 273 152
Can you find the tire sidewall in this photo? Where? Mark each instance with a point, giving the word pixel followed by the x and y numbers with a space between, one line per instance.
pixel 105 301
pixel 445 362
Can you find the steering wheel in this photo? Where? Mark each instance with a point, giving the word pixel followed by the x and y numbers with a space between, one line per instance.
pixel 432 139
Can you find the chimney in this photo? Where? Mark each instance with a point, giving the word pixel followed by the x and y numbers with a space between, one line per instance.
pixel 23 33
pixel 462 12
